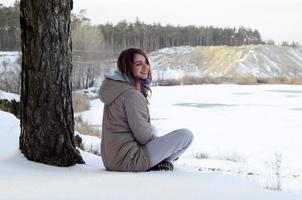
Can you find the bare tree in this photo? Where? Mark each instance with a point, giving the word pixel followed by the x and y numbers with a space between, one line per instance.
pixel 47 123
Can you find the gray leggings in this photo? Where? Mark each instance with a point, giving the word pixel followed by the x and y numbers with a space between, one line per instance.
pixel 170 146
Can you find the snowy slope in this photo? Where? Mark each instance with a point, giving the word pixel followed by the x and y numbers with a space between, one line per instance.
pixel 23 179
pixel 261 61
pixel 9 96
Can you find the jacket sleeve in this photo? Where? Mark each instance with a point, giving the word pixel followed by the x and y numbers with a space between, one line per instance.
pixel 138 116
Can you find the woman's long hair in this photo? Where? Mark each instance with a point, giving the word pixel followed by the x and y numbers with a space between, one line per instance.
pixel 125 65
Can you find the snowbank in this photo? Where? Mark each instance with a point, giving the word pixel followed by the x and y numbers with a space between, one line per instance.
pixel 9 96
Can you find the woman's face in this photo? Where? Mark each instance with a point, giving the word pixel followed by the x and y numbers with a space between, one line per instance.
pixel 140 67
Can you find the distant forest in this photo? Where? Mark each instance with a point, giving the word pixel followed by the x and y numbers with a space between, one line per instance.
pixel 10 38
pixel 111 38
pixel 96 47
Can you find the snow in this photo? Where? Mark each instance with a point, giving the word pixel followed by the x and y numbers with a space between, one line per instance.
pixel 9 132
pixel 23 179
pixel 90 144
pixel 93 115
pixel 254 123
pixel 91 93
pixel 236 128
pixel 172 50
pixel 9 96
pixel 239 129
pixel 260 61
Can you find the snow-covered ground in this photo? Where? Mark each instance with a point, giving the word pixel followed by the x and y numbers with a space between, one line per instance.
pixel 240 132
pixel 251 131
pixel 23 179
pixel 9 96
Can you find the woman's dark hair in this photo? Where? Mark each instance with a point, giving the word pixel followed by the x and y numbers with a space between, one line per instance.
pixel 125 65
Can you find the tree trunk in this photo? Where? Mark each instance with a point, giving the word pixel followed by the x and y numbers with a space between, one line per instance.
pixel 47 124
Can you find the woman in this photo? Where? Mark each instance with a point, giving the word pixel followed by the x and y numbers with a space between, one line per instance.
pixel 128 143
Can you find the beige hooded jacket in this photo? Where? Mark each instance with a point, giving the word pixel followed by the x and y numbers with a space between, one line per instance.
pixel 126 126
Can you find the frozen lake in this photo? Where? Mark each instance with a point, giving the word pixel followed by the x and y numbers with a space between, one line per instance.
pixel 253 131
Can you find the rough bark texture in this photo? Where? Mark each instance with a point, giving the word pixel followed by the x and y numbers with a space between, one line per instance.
pixel 47 124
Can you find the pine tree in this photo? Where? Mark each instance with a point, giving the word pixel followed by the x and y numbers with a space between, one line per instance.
pixel 47 123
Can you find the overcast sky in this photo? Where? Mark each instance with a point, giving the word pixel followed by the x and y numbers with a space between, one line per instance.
pixel 275 19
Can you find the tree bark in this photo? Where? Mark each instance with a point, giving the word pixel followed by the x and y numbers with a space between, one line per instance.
pixel 47 123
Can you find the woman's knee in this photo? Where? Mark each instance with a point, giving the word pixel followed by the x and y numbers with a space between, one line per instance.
pixel 185 134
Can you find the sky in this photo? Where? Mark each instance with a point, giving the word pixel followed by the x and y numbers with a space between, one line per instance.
pixel 275 19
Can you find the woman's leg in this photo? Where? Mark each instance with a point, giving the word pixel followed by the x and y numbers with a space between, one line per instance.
pixel 170 146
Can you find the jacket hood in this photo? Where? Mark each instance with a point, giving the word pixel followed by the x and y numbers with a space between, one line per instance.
pixel 113 86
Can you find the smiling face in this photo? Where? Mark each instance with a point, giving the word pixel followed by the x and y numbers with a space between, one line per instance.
pixel 141 67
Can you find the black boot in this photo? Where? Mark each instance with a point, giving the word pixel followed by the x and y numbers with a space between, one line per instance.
pixel 162 166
